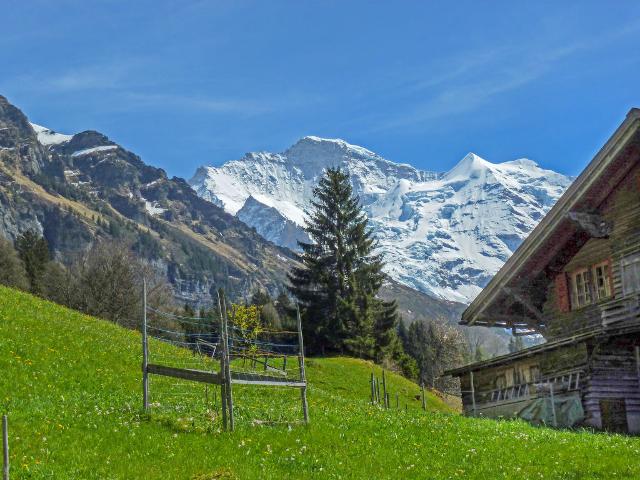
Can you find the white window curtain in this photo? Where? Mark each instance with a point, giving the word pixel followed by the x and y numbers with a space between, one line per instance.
pixel 631 274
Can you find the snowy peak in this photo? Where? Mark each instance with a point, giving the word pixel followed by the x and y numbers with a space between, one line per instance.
pixel 317 146
pixel 471 166
pixel 83 143
pixel 313 154
pixel 474 166
pixel 48 137
pixel 445 234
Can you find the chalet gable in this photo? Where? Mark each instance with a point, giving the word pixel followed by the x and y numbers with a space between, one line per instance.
pixel 582 223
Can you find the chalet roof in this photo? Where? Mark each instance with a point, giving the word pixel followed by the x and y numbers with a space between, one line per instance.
pixel 544 347
pixel 555 230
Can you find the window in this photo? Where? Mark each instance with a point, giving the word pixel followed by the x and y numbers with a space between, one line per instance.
pixel 630 274
pixel 510 375
pixel 534 373
pixel 602 285
pixel 580 288
pixel 517 376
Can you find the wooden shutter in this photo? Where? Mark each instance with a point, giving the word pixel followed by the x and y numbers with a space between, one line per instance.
pixel 610 279
pixel 562 293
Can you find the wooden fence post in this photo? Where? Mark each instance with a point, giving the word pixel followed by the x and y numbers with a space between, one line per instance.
pixel 553 405
pixel 373 388
pixel 227 364
pixel 424 400
pixel 5 448
pixel 377 390
pixel 303 376
pixel 473 393
pixel 223 369
pixel 384 390
pixel 637 352
pixel 145 349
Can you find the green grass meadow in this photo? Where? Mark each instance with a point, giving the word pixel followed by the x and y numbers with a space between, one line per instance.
pixel 72 389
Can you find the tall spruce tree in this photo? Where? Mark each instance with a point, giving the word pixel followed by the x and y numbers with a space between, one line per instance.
pixel 340 276
pixel 33 250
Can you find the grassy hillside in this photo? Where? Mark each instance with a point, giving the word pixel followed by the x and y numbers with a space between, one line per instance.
pixel 71 385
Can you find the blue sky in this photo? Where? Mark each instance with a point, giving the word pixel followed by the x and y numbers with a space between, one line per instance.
pixel 191 82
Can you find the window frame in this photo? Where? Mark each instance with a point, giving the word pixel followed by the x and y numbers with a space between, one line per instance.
pixel 534 369
pixel 605 265
pixel 584 275
pixel 625 262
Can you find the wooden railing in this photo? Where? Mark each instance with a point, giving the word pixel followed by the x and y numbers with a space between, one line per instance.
pixel 620 310
pixel 557 384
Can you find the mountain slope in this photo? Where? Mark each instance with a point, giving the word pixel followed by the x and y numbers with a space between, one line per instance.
pixel 76 189
pixel 72 390
pixel 445 234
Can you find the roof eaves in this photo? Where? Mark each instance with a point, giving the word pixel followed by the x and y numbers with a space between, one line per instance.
pixel 571 196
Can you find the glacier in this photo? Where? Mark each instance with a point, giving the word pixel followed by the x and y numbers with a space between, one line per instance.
pixel 445 234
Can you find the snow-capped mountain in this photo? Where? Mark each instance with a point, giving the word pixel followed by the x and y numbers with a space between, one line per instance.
pixel 445 234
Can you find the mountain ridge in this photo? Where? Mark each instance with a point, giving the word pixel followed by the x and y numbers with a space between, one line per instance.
pixel 82 188
pixel 442 233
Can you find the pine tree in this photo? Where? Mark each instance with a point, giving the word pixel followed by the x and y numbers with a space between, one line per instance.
pixel 33 250
pixel 340 276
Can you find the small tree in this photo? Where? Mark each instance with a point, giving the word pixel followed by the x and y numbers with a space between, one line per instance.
pixel 12 272
pixel 247 318
pixel 59 285
pixel 108 282
pixel 33 250
pixel 435 347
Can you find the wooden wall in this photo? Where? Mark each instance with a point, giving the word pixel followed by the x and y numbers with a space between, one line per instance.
pixel 551 363
pixel 613 375
pixel 622 209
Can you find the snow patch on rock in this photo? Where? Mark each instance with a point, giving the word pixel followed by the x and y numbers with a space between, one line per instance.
pixel 87 151
pixel 153 208
pixel 48 137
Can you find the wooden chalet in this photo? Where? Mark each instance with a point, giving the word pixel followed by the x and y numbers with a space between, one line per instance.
pixel 576 281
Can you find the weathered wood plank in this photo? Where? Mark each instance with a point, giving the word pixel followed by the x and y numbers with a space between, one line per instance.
pixel 243 378
pixel 270 383
pixel 5 448
pixel 185 374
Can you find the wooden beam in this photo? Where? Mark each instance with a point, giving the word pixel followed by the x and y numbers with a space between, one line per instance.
pixel 595 225
pixel 269 383
pixel 510 319
pixel 5 448
pixel 145 349
pixel 303 375
pixel 185 374
pixel 526 333
pixel 506 321
pixel 244 378
pixel 525 303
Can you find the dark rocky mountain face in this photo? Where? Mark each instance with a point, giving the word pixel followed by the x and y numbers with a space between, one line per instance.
pixel 80 189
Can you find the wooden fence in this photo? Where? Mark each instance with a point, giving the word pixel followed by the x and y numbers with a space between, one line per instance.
pixel 215 344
